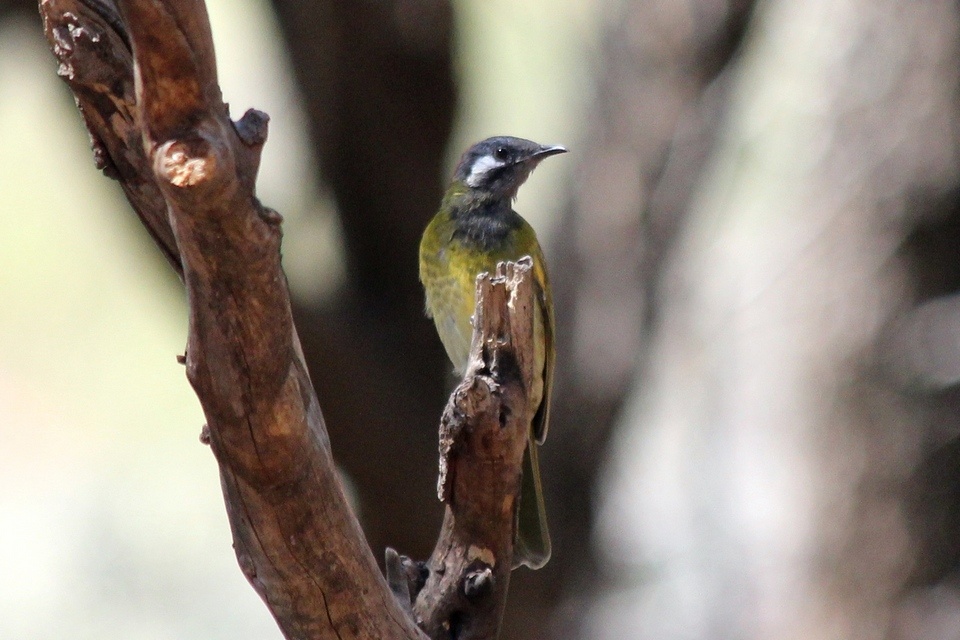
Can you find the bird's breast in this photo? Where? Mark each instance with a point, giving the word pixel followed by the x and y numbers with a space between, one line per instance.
pixel 455 249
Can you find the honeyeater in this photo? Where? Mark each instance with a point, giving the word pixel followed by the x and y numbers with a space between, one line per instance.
pixel 475 229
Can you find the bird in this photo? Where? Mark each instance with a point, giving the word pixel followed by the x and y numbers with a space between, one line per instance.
pixel 474 229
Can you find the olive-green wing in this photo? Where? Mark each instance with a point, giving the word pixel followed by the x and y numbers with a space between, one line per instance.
pixel 541 420
pixel 532 546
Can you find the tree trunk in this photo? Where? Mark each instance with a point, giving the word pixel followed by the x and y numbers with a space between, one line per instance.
pixel 796 411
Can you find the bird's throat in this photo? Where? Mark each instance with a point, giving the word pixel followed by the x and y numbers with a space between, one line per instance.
pixel 485 225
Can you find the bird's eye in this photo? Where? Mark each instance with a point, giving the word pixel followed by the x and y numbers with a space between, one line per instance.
pixel 501 153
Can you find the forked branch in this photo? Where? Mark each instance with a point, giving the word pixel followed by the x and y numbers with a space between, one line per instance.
pixel 146 83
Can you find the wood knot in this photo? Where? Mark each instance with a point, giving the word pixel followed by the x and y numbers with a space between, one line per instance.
pixel 186 164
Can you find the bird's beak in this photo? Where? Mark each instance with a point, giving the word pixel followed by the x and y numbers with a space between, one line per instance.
pixel 547 150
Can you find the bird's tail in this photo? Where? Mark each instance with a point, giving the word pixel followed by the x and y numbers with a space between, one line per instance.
pixel 532 546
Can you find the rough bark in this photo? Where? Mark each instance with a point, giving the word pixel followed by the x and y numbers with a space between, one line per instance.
pixel 482 440
pixel 295 536
pixel 158 125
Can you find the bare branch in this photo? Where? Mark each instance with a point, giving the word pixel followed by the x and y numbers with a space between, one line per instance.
pixel 189 172
pixel 91 45
pixel 483 434
pixel 295 537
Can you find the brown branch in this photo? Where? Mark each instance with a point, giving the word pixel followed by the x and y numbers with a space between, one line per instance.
pixel 91 45
pixel 189 172
pixel 295 536
pixel 483 434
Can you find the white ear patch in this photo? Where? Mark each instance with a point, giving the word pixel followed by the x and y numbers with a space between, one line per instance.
pixel 481 167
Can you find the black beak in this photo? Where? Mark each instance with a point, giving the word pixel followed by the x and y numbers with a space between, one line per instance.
pixel 547 150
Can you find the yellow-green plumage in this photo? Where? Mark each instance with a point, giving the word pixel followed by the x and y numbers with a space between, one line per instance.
pixel 474 230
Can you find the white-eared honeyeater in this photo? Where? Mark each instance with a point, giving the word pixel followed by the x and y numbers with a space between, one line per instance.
pixel 475 229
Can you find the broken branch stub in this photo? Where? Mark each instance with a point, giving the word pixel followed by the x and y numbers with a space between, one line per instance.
pixel 483 434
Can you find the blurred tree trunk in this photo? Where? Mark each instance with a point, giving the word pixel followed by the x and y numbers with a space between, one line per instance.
pixel 18 6
pixel 660 98
pixel 377 84
pixel 788 463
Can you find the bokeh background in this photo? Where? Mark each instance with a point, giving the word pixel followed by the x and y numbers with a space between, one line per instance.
pixel 755 247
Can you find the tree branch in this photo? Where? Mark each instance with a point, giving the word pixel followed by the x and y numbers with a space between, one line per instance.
pixel 91 45
pixel 158 125
pixel 295 536
pixel 483 434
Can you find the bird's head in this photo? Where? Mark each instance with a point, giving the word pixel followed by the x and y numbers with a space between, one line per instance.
pixel 498 166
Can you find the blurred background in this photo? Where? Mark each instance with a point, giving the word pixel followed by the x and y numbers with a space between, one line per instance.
pixel 755 247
